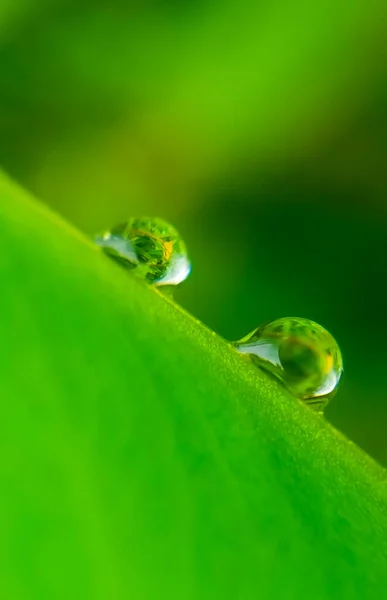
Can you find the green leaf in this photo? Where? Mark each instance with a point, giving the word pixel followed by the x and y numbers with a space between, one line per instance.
pixel 142 457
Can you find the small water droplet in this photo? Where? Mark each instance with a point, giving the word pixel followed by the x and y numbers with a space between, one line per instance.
pixel 149 246
pixel 301 354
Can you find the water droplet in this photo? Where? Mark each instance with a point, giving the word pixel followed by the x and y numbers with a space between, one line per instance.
pixel 149 246
pixel 301 354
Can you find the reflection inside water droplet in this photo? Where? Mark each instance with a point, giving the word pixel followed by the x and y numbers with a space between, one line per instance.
pixel 149 246
pixel 301 354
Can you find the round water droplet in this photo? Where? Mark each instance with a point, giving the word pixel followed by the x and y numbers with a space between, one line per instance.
pixel 301 354
pixel 150 246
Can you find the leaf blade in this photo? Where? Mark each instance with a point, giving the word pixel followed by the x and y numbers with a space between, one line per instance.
pixel 142 456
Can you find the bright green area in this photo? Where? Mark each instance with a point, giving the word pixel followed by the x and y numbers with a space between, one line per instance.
pixel 143 457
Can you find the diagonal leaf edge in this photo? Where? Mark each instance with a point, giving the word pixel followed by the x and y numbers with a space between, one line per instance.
pixel 142 456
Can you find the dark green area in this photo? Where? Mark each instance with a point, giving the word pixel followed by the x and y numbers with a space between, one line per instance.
pixel 304 257
pixel 143 457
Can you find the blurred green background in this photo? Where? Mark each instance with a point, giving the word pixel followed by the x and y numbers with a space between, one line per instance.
pixel 259 129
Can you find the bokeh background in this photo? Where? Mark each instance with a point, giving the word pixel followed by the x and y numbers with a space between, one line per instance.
pixel 258 128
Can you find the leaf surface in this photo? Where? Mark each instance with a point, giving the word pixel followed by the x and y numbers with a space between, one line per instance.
pixel 142 457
